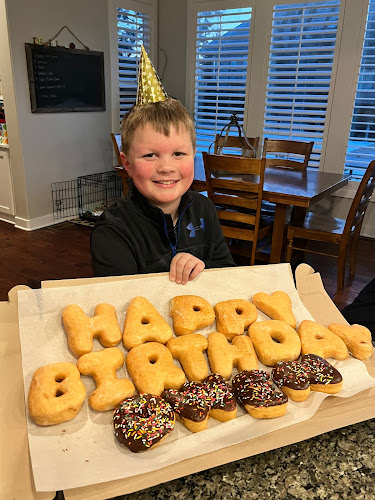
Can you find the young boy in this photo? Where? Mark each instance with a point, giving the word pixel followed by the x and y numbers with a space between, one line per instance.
pixel 160 225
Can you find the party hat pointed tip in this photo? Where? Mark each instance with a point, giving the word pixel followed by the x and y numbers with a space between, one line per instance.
pixel 150 88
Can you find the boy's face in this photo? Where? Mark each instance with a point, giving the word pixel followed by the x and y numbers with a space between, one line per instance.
pixel 162 168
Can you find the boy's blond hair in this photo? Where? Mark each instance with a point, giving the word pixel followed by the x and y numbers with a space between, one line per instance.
pixel 161 115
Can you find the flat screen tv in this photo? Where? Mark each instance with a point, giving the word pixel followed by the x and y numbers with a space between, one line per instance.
pixel 65 80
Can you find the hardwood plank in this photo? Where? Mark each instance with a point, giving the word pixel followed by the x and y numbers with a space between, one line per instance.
pixel 56 252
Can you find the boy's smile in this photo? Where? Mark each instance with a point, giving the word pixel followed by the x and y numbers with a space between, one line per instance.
pixel 162 167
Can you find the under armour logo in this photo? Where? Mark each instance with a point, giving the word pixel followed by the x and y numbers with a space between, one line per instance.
pixel 193 230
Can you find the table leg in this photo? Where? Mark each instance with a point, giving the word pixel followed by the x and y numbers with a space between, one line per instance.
pixel 299 214
pixel 278 234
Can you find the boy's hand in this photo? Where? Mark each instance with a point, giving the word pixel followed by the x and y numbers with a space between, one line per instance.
pixel 185 267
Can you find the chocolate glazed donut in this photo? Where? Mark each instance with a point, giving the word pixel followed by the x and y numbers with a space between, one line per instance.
pixel 255 391
pixel 142 421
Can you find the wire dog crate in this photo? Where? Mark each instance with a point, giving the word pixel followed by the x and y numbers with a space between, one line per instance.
pixel 97 192
pixel 87 196
pixel 65 199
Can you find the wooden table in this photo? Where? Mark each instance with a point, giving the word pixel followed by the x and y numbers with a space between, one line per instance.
pixel 285 187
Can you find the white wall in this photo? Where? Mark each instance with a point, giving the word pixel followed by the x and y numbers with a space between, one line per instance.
pixel 172 35
pixel 52 147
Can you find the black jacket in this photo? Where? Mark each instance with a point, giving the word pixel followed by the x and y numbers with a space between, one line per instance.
pixel 134 237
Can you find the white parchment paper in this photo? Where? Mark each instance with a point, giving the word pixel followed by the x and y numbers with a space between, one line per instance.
pixel 84 451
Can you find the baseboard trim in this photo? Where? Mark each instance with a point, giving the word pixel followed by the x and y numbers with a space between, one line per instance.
pixel 7 218
pixel 37 223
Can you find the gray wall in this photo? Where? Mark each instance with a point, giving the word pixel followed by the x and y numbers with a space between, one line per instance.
pixel 51 147
pixel 172 38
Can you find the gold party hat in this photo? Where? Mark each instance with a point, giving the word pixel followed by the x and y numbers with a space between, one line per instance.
pixel 150 88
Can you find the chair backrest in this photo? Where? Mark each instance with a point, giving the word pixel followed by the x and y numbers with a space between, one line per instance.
pixel 238 202
pixel 291 154
pixel 360 201
pixel 233 142
pixel 116 141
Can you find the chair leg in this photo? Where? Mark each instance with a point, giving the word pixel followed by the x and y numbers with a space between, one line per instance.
pixel 289 249
pixel 353 251
pixel 341 267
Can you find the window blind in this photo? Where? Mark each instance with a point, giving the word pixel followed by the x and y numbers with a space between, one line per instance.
pixel 300 66
pixel 222 47
pixel 133 30
pixel 361 145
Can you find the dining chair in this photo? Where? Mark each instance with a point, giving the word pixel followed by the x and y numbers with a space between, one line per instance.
pixel 235 143
pixel 238 202
pixel 290 154
pixel 286 154
pixel 343 233
pixel 116 141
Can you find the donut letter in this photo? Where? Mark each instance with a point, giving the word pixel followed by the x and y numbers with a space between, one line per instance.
pixel 81 330
pixel 316 339
pixel 277 306
pixel 190 313
pixel 234 316
pixel 152 369
pixel 56 394
pixel 110 390
pixel 223 356
pixel 188 349
pixel 357 339
pixel 143 323
pixel 274 341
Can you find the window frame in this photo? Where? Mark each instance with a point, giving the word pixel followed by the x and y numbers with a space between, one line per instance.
pixel 148 7
pixel 346 62
pixel 193 7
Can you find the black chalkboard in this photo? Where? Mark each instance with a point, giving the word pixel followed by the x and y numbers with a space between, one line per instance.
pixel 65 80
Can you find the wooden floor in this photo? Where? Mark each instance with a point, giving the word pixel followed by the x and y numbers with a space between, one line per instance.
pixel 63 251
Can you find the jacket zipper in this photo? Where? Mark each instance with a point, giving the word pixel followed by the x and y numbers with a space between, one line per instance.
pixel 174 247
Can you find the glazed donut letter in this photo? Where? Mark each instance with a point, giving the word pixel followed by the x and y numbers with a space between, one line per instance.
pixel 357 339
pixel 188 349
pixel 255 391
pixel 277 306
pixel 292 378
pixel 286 348
pixel 316 339
pixel 81 330
pixel 296 378
pixel 323 377
pixel 195 402
pixel 152 369
pixel 221 398
pixel 190 405
pixel 234 316
pixel 56 394
pixel 142 422
pixel 190 313
pixel 110 390
pixel 223 356
pixel 143 323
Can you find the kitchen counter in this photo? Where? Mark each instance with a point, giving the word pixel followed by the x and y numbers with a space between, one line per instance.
pixel 337 465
